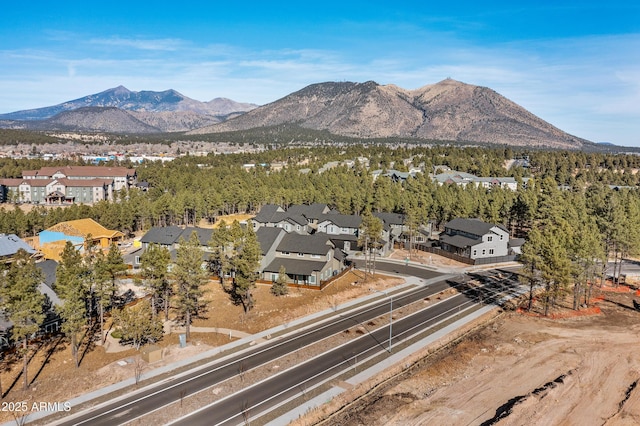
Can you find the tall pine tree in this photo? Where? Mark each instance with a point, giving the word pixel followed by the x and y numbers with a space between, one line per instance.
pixel 22 302
pixel 73 293
pixel 189 280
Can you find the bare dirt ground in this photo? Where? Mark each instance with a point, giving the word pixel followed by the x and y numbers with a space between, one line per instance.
pixel 518 370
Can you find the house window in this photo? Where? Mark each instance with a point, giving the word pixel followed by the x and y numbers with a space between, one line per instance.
pixel 475 252
pixel 285 253
pixel 312 279
pixel 137 260
pixel 297 227
pixel 501 237
pixel 315 256
pixel 483 252
pixel 489 238
pixel 301 254
pixel 274 277
pixel 490 251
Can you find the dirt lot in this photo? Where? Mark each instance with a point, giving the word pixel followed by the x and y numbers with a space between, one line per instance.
pixel 519 370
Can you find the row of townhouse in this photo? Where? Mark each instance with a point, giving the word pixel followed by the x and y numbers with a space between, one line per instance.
pixel 464 179
pixel 67 185
pixel 311 242
pixel 307 259
pixel 309 219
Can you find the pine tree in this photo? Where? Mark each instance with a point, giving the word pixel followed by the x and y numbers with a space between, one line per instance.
pixel 22 302
pixel 155 266
pixel 219 244
pixel 245 264
pixel 138 325
pixel 189 280
pixel 106 270
pixel 72 291
pixel 369 235
pixel 279 287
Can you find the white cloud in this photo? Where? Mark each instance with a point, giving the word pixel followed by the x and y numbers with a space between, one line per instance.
pixel 167 44
pixel 589 87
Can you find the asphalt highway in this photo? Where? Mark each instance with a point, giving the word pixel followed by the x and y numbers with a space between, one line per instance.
pixel 152 398
pixel 239 407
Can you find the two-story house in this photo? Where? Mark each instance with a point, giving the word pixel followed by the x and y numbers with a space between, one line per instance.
pixel 474 238
pixel 307 259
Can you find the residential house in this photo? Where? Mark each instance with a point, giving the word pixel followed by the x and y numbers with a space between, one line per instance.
pixel 339 224
pixel 269 239
pixel 52 321
pixel 302 219
pixel 312 212
pixel 474 238
pixel 9 246
pixel 307 259
pixel 463 179
pixel 169 237
pixel 453 177
pixel 264 216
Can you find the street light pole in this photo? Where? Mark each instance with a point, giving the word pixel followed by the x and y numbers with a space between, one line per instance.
pixel 390 314
pixel 390 319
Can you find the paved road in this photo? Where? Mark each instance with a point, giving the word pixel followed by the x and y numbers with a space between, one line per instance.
pixel 249 403
pixel 167 392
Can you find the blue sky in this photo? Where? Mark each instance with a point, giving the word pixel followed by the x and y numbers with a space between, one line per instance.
pixel 576 64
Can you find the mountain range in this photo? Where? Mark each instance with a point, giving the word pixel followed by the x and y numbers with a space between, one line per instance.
pixel 143 112
pixel 449 110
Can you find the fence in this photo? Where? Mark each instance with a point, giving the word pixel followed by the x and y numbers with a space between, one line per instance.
pixel 463 259
pixel 322 285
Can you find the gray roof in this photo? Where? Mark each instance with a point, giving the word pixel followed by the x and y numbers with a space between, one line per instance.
pixel 266 213
pixel 339 240
pixel 164 235
pixel 267 236
pixel 289 217
pixel 10 244
pixel 455 176
pixel 295 266
pixel 48 268
pixel 311 211
pixel 308 244
pixel 342 220
pixel 204 234
pixel 459 240
pixel 391 218
pixel 516 242
pixel 169 235
pixel 471 226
